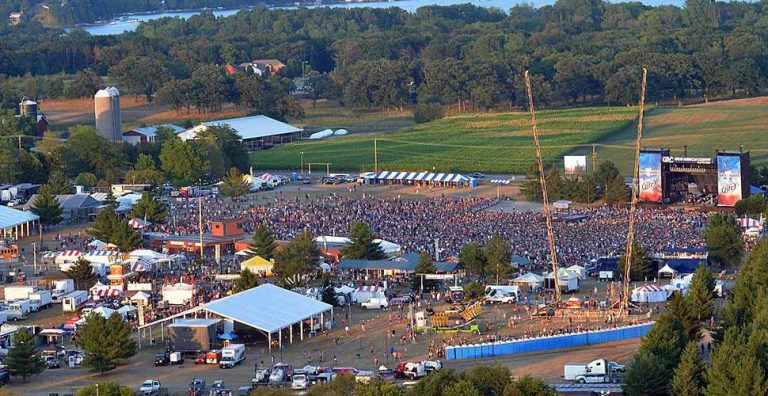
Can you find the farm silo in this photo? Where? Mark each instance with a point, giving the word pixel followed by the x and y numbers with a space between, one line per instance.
pixel 108 114
pixel 28 108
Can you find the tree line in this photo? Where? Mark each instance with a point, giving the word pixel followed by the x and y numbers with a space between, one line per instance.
pixel 578 51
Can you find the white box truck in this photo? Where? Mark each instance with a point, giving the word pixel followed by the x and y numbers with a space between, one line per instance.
pixel 232 355
pixel 64 285
pixel 19 292
pixel 597 371
pixel 73 301
pixel 40 299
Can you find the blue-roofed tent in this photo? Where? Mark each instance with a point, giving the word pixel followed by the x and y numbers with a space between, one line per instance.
pixel 406 263
pixel 685 265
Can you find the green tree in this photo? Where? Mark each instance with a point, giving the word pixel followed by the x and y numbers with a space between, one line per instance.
pixel 59 183
pixel 82 274
pixel 125 237
pixel 319 86
pixel 462 388
pixel 616 191
pixel 233 184
pixel 640 265
pixel 474 290
pixel 140 75
pixel 106 342
pixel 689 374
pixel 435 384
pixel 86 179
pixel 145 171
pixel 425 264
pixel 105 225
pixel 84 85
pixel 529 386
pixel 247 280
pixel 660 349
pixel 297 261
pixel 105 389
pixel 329 294
pixel 472 258
pixel 701 295
pixel 752 206
pixel 183 162
pixel 47 206
pixel 723 239
pixel 361 244
pixel 681 309
pixel 149 209
pixel 23 358
pixel 262 243
pixel 499 258
pixel 489 380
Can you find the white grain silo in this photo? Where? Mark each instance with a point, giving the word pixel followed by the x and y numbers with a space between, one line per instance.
pixel 108 120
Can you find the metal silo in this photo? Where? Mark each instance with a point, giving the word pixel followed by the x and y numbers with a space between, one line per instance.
pixel 28 108
pixel 108 122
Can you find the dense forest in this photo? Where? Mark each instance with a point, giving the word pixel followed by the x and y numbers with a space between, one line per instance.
pixel 578 51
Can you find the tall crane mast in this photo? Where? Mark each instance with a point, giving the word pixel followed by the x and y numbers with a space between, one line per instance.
pixel 544 197
pixel 633 205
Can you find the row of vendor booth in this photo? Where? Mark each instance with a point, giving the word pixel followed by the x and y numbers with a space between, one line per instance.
pixel 422 178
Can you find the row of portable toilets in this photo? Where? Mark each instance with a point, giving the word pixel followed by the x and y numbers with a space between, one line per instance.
pixel 504 348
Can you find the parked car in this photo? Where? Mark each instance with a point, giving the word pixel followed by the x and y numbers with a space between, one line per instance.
pixel 218 388
pixel 261 376
pixel 375 303
pixel 200 358
pixel 386 374
pixel 400 299
pixel 276 377
pixel 299 381
pixel 477 175
pixel 52 362
pixel 287 369
pixel 149 387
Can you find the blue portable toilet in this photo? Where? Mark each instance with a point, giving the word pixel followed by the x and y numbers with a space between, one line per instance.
pixel 294 177
pixel 473 182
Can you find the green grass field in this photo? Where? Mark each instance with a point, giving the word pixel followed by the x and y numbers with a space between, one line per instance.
pixel 488 142
pixel 703 128
pixel 503 143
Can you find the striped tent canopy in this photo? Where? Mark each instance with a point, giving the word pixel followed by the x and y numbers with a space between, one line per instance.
pixel 138 223
pixel 500 181
pixel 140 265
pixel 107 292
pixel 101 253
pixel 49 255
pixel 422 176
pixel 70 253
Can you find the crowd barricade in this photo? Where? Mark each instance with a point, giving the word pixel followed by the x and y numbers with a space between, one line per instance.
pixel 503 348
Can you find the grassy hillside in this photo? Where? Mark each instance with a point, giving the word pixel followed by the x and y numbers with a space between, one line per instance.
pixel 495 142
pixel 703 128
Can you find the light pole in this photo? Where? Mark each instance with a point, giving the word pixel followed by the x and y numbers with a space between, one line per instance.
pixel 302 163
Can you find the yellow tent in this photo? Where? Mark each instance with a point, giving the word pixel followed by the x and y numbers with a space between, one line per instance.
pixel 257 264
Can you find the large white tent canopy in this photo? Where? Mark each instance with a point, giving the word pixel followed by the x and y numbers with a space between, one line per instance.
pixel 17 219
pixel 268 308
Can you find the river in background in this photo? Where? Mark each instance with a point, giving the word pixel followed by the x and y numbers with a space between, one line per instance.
pixel 129 23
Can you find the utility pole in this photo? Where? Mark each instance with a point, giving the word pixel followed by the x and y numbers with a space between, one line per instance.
pixel 375 156
pixel 34 257
pixel 594 159
pixel 200 217
pixel 19 142
pixel 302 163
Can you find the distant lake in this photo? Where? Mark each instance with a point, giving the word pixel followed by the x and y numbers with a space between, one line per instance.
pixel 129 23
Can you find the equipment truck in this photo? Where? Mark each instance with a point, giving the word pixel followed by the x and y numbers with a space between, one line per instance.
pixel 232 355
pixel 597 371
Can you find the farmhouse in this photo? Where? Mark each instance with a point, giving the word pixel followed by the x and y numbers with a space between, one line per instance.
pixel 147 134
pixel 256 132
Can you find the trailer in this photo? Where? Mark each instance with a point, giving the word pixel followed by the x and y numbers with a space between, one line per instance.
pixel 594 372
pixel 74 301
pixel 40 299
pixel 19 292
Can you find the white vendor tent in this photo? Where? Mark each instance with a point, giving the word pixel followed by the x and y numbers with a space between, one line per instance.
pixel 178 293
pixel 649 294
pixel 141 296
pixel 148 255
pixel 101 256
pixel 67 256
pixel 667 271
pixel 364 293
pixel 529 281
pixel 568 281
pixel 580 271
